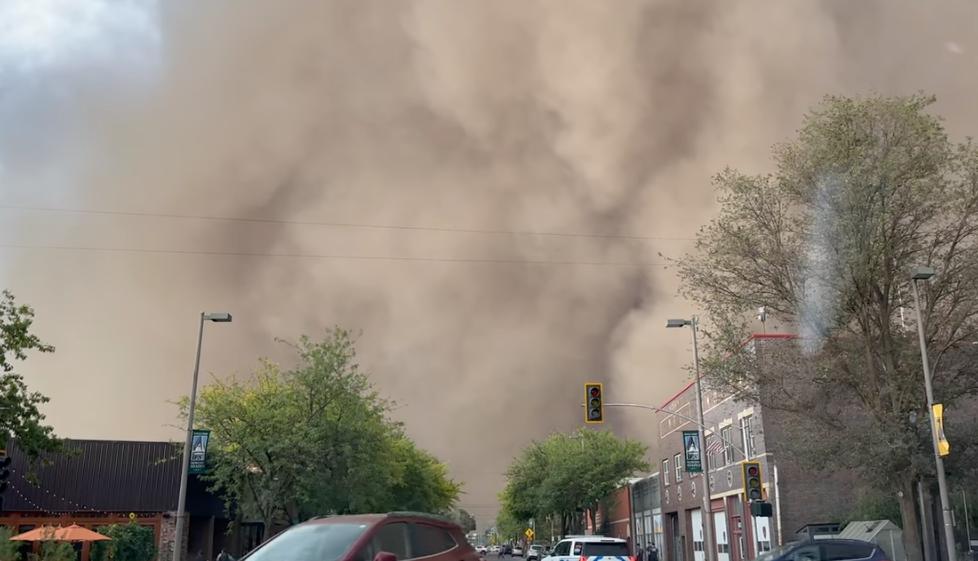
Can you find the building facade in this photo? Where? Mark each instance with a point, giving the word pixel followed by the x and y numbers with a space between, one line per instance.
pixel 100 482
pixel 736 431
pixel 646 513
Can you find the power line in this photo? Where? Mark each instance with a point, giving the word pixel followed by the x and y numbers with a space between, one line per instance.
pixel 472 260
pixel 202 217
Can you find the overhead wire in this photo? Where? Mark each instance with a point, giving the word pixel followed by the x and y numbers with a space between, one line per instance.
pixel 373 226
pixel 212 253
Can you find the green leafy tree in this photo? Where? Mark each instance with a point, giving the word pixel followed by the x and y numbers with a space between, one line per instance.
pixel 417 480
pixel 57 551
pixel 20 415
pixel 130 542
pixel 464 519
pixel 9 551
pixel 287 445
pixel 554 478
pixel 870 188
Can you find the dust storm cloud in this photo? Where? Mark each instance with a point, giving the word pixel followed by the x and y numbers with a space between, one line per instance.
pixel 562 116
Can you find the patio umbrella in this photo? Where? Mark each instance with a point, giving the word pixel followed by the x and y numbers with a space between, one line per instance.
pixel 73 533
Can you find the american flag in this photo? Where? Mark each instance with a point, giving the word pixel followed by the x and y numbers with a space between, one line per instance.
pixel 715 446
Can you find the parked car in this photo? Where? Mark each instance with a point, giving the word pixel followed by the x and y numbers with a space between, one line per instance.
pixel 534 553
pixel 826 550
pixel 369 537
pixel 573 548
pixel 482 550
pixel 517 551
pixel 495 549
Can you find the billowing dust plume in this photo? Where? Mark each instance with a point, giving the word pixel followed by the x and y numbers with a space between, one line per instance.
pixel 561 116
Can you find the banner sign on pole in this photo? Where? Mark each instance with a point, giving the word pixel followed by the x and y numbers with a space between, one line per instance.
pixel 198 451
pixel 692 447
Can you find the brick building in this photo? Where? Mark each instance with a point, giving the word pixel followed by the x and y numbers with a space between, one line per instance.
pixel 797 497
pixel 614 516
pixel 100 482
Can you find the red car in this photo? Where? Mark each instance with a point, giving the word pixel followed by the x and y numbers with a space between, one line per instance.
pixel 398 536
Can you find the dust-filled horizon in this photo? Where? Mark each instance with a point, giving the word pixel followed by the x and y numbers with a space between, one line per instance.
pixel 392 168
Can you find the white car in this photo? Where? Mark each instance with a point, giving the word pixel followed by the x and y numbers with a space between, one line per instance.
pixel 481 550
pixel 495 550
pixel 517 551
pixel 534 553
pixel 574 548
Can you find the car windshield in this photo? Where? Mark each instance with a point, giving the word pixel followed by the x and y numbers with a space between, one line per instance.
pixel 605 549
pixel 776 552
pixel 312 542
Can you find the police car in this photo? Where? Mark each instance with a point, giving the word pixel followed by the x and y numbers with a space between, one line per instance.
pixel 589 548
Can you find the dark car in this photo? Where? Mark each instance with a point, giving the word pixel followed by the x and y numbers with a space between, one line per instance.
pixel 398 536
pixel 826 550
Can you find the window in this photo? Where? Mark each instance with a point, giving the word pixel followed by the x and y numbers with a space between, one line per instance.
pixel 713 449
pixel 679 467
pixel 726 435
pixel 429 540
pixel 748 433
pixel 846 551
pixel 391 538
pixel 665 472
pixel 562 549
pixel 325 542
pixel 578 546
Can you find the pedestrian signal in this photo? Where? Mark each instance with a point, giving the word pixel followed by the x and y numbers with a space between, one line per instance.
pixel 593 403
pixel 943 446
pixel 752 481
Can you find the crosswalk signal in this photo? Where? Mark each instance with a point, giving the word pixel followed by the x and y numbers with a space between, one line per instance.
pixel 593 403
pixel 752 481
pixel 4 470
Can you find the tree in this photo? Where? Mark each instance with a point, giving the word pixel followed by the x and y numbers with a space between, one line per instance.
pixel 130 542
pixel 554 477
pixel 9 551
pixel 464 519
pixel 870 189
pixel 20 416
pixel 287 445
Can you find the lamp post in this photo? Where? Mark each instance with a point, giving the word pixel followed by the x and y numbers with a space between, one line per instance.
pixel 219 317
pixel 709 548
pixel 919 274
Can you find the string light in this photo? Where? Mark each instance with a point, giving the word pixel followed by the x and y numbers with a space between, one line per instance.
pixel 78 508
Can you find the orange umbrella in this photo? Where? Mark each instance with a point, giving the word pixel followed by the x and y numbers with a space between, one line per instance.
pixel 73 533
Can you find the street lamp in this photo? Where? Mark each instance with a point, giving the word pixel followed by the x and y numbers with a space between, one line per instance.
pixel 708 529
pixel 922 274
pixel 218 317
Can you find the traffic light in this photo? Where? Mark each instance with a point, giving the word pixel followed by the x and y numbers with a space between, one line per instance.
pixel 4 470
pixel 761 509
pixel 594 403
pixel 752 481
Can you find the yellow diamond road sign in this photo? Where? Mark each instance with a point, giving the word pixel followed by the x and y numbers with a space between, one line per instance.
pixel 528 533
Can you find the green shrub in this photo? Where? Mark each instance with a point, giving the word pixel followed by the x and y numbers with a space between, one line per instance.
pixel 130 542
pixel 57 551
pixel 9 551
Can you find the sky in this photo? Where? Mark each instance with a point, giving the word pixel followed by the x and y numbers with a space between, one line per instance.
pixel 487 191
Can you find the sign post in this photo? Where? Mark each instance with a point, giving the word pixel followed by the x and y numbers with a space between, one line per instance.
pixel 693 449
pixel 198 452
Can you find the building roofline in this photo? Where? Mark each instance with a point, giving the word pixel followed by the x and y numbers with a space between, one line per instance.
pixel 744 343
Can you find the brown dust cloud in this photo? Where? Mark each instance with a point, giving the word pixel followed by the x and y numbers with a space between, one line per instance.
pixel 478 125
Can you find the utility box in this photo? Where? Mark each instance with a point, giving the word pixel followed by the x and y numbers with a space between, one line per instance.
pixel 883 533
